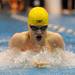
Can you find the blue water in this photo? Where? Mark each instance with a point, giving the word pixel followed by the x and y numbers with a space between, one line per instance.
pixel 36 71
pixel 9 26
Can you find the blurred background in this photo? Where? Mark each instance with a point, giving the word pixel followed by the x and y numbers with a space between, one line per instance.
pixel 13 18
pixel 52 6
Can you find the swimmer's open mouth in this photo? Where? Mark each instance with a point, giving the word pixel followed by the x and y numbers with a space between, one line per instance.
pixel 39 37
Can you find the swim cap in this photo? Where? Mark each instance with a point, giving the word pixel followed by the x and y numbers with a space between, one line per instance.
pixel 38 16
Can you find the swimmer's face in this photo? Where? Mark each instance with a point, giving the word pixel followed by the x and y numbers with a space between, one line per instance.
pixel 38 32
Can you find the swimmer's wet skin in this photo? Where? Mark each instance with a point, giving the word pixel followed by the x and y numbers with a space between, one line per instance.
pixel 37 37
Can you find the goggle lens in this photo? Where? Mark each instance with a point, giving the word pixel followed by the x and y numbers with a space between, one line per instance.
pixel 35 28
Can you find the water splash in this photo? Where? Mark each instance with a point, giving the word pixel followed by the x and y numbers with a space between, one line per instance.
pixel 16 59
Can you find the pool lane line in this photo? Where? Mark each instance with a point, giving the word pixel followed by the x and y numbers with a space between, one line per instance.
pixel 57 28
pixel 60 29
pixel 18 17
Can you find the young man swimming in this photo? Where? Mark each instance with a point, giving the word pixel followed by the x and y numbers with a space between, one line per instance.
pixel 37 36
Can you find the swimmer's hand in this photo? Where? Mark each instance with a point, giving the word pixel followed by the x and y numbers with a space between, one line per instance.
pixel 40 64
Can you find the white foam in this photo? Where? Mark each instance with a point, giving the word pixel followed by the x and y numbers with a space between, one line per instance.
pixel 17 59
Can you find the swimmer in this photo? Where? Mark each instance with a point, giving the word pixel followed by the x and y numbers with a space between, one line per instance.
pixel 37 37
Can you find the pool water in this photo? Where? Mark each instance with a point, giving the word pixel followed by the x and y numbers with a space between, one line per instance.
pixel 9 26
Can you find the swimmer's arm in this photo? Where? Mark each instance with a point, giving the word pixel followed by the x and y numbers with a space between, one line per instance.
pixel 57 41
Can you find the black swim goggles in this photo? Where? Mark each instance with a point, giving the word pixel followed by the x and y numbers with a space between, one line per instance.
pixel 35 28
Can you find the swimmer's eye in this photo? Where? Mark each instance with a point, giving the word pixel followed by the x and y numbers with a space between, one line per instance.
pixel 43 28
pixel 35 28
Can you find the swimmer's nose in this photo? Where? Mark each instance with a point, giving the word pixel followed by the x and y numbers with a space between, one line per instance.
pixel 39 32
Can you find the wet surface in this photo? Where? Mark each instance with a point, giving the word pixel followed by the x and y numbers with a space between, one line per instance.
pixel 9 26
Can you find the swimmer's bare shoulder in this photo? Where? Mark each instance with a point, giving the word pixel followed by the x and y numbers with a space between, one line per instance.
pixel 17 40
pixel 55 40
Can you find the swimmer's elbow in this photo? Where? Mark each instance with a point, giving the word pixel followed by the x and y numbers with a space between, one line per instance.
pixel 60 42
pixel 61 45
pixel 13 41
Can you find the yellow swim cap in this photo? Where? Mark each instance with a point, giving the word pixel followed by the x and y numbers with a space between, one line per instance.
pixel 38 16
